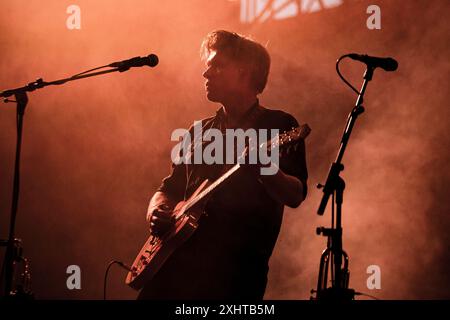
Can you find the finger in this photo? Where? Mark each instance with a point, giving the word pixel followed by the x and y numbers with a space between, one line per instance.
pixel 159 210
pixel 162 207
pixel 157 231
pixel 162 211
pixel 161 220
pixel 156 227
pixel 162 214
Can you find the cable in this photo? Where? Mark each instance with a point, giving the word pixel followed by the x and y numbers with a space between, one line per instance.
pixel 120 263
pixel 341 76
pixel 90 70
pixel 2 274
pixel 367 295
pixel 330 239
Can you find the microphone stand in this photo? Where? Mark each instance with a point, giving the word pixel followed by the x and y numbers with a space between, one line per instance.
pixel 13 245
pixel 334 187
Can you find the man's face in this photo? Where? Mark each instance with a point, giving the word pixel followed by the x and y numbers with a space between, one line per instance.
pixel 224 78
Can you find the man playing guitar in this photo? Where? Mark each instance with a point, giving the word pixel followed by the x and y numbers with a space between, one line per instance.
pixel 227 256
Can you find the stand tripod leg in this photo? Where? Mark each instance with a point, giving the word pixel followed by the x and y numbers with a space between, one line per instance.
pixel 323 272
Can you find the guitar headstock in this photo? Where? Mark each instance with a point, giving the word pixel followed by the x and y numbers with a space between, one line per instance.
pixel 289 139
pixel 284 142
pixel 294 136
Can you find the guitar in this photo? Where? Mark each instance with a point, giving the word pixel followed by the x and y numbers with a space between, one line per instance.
pixel 157 250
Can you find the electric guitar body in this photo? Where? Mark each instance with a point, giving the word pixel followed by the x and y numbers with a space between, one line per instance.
pixel 156 250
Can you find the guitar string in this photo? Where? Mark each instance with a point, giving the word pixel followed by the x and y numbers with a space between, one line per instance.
pixel 279 140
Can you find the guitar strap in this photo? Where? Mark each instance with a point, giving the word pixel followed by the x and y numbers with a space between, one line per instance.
pixel 212 172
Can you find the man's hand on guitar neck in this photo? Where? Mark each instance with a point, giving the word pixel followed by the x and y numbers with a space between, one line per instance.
pixel 160 214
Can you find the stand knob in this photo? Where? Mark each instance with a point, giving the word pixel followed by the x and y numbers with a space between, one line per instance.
pixel 319 230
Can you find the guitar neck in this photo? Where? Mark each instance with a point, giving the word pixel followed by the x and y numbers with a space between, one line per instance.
pixel 284 140
pixel 212 187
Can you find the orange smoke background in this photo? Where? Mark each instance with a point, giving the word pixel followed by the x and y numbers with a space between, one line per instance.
pixel 95 150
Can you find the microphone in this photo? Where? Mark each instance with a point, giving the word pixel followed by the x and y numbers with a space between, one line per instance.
pixel 151 60
pixel 387 64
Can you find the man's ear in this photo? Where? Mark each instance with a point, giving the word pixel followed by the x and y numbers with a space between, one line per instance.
pixel 246 76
